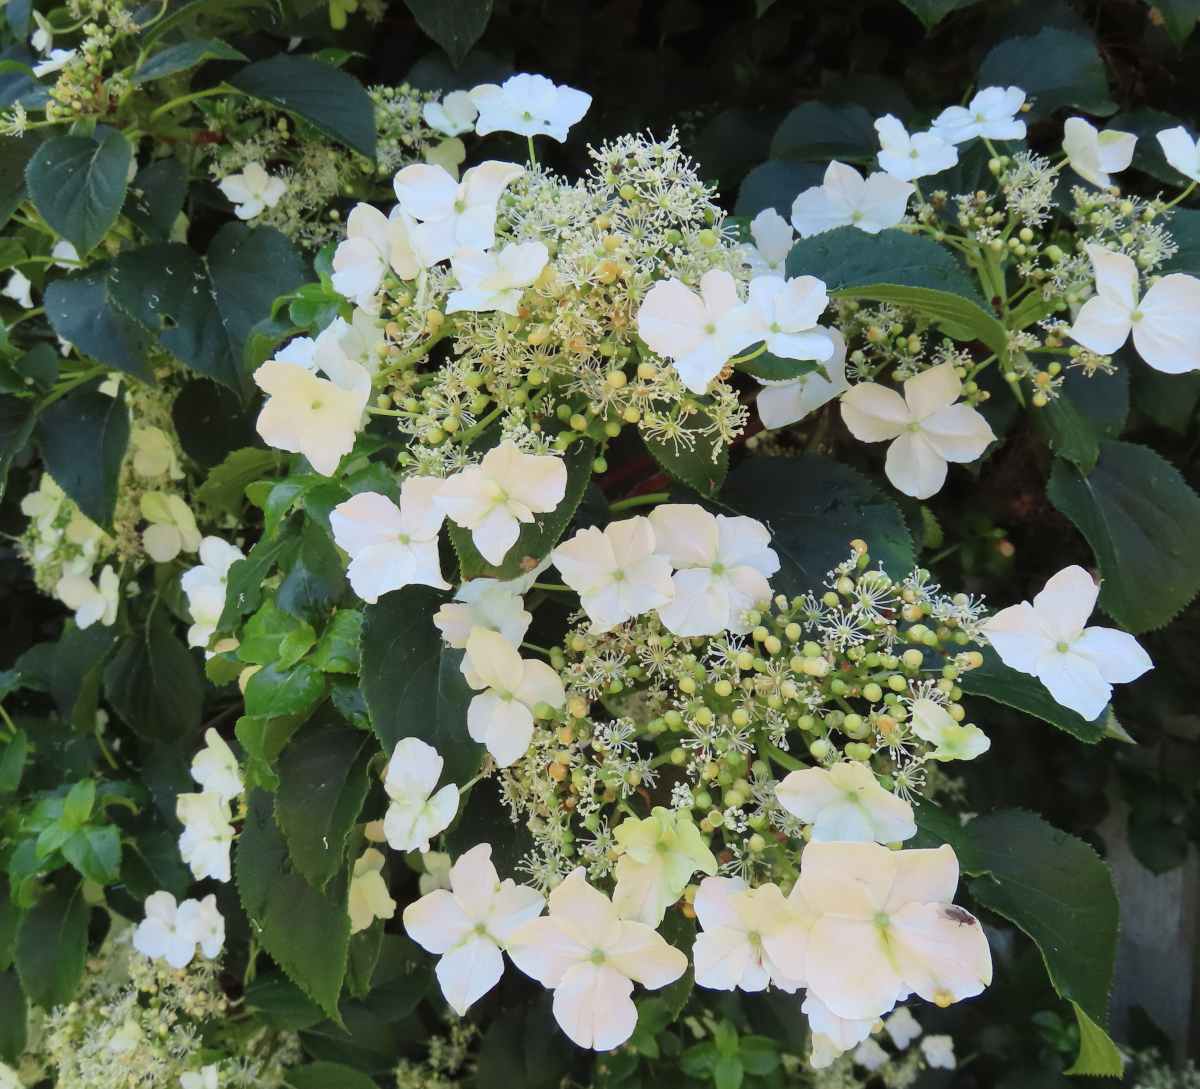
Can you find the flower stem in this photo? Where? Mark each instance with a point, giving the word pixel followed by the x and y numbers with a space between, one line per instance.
pixel 782 758
pixel 649 499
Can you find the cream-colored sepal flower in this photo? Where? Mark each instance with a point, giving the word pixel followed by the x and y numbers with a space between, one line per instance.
pixel 660 854
pixel 172 528
pixel 506 489
pixel 91 601
pixel 316 417
pixel 374 245
pixel 992 114
pixel 845 802
pixel 470 924
pixel 885 925
pixel 909 156
pixel 204 585
pixel 369 898
pixel 591 958
pixel 951 740
pixel 207 834
pixel 500 717
pixel 1093 155
pixel 1047 639
pixel 926 428
pixel 252 191
pixel 783 403
pixel 616 571
pixel 215 768
pixel 416 812
pixel 750 937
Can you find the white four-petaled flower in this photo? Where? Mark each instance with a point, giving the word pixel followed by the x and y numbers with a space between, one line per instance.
pixel 453 216
pixel 951 740
pixel 992 114
pixel 1047 639
pixel 215 768
pixel 391 546
pixel 369 898
pixel 659 855
pixel 1181 151
pixel 416 813
pixel 494 604
pixel 785 402
pixel 591 958
pixel 204 586
pixel 1165 322
pixel 453 116
pixel 697 332
pixel 207 834
pixel 773 237
pixel 926 427
pixel 496 280
pixel 846 803
pixel 500 717
pixel 909 156
pixel 507 488
pixel 529 105
pixel 252 191
pixel 172 932
pixel 616 571
pixel 847 199
pixel 722 565
pixel 470 924
pixel 1094 155
pixel 91 601
pixel 374 245
pixel 784 313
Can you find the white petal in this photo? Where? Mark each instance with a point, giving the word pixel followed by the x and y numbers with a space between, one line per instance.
pixel 1168 335
pixel 914 466
pixel 593 1007
pixel 467 972
pixel 1116 654
pixel 874 413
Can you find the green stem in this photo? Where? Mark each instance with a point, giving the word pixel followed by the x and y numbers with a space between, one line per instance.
pixel 558 586
pixel 473 433
pixel 27 314
pixel 532 154
pixel 166 107
pixel 749 355
pixel 537 648
pixel 419 352
pixel 782 758
pixel 1185 193
pixel 70 384
pixel 649 499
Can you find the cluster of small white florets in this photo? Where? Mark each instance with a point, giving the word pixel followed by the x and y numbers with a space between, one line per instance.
pixel 142 1024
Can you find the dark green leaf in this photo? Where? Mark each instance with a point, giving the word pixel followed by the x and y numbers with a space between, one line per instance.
pixel 413 683
pixel 775 184
pixel 817 132
pixel 455 27
pixel 1055 67
pixel 156 197
pixel 814 508
pixel 304 929
pixel 78 183
pixel 203 308
pixel 83 438
pixel 12 761
pixel 538 537
pixel 244 583
pixel 15 153
pixel 315 580
pixel 995 681
pixel 324 1075
pixel 932 12
pixel 1059 892
pixel 1141 519
pixel 328 99
pixel 695 465
pixel 14 1018
pixel 79 310
pixel 1179 17
pixel 273 692
pixel 18 415
pixel 154 684
pixel 181 57
pixel 52 946
pixel 69 670
pixel 524 1047
pixel 281 1004
pixel 322 785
